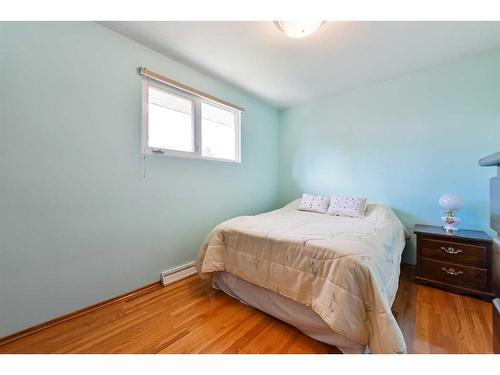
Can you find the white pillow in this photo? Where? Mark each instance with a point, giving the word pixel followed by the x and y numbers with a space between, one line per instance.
pixel 347 206
pixel 313 203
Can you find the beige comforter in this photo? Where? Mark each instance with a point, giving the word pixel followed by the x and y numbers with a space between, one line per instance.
pixel 344 269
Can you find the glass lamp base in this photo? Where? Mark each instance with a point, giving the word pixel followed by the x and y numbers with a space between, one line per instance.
pixel 449 229
pixel 450 223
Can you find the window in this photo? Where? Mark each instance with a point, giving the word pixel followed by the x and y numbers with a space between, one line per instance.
pixel 170 121
pixel 218 132
pixel 179 123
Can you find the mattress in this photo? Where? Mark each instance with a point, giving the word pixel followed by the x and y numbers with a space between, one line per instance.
pixel 286 310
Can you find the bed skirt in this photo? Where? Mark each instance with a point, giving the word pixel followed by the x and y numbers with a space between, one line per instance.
pixel 286 310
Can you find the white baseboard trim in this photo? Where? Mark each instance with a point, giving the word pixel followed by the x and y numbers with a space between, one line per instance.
pixel 177 273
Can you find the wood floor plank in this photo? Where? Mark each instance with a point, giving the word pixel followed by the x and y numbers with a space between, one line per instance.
pixel 191 317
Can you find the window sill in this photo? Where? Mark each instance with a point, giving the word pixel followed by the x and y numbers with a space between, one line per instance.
pixel 188 155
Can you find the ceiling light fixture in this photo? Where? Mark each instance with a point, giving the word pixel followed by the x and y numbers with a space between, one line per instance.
pixel 298 29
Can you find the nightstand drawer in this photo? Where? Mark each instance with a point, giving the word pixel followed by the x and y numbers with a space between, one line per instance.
pixel 459 262
pixel 466 277
pixel 454 252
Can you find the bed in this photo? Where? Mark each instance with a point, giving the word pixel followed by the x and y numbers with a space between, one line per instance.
pixel 334 278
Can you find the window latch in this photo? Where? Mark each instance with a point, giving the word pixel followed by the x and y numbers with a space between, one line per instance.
pixel 157 151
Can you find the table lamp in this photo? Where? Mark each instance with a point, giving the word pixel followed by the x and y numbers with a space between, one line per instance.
pixel 450 203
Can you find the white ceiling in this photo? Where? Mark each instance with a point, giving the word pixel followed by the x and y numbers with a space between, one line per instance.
pixel 258 58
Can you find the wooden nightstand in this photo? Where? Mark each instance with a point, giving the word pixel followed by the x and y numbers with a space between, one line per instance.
pixel 459 262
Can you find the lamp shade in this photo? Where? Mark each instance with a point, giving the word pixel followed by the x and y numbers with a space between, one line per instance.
pixel 451 202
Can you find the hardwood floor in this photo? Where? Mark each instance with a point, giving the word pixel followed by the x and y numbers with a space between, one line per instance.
pixel 191 317
pixel 436 321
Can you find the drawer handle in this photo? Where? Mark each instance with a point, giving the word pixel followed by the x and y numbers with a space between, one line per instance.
pixel 451 250
pixel 451 271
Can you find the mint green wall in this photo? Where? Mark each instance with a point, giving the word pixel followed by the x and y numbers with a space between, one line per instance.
pixel 404 142
pixel 78 221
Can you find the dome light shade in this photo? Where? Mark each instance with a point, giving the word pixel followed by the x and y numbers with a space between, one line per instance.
pixel 451 202
pixel 298 29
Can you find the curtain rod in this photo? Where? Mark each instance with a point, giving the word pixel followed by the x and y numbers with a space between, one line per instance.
pixel 158 77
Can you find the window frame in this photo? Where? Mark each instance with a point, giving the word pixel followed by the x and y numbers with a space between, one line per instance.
pixel 196 102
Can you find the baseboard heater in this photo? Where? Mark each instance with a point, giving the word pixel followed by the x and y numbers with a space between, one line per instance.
pixel 178 273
